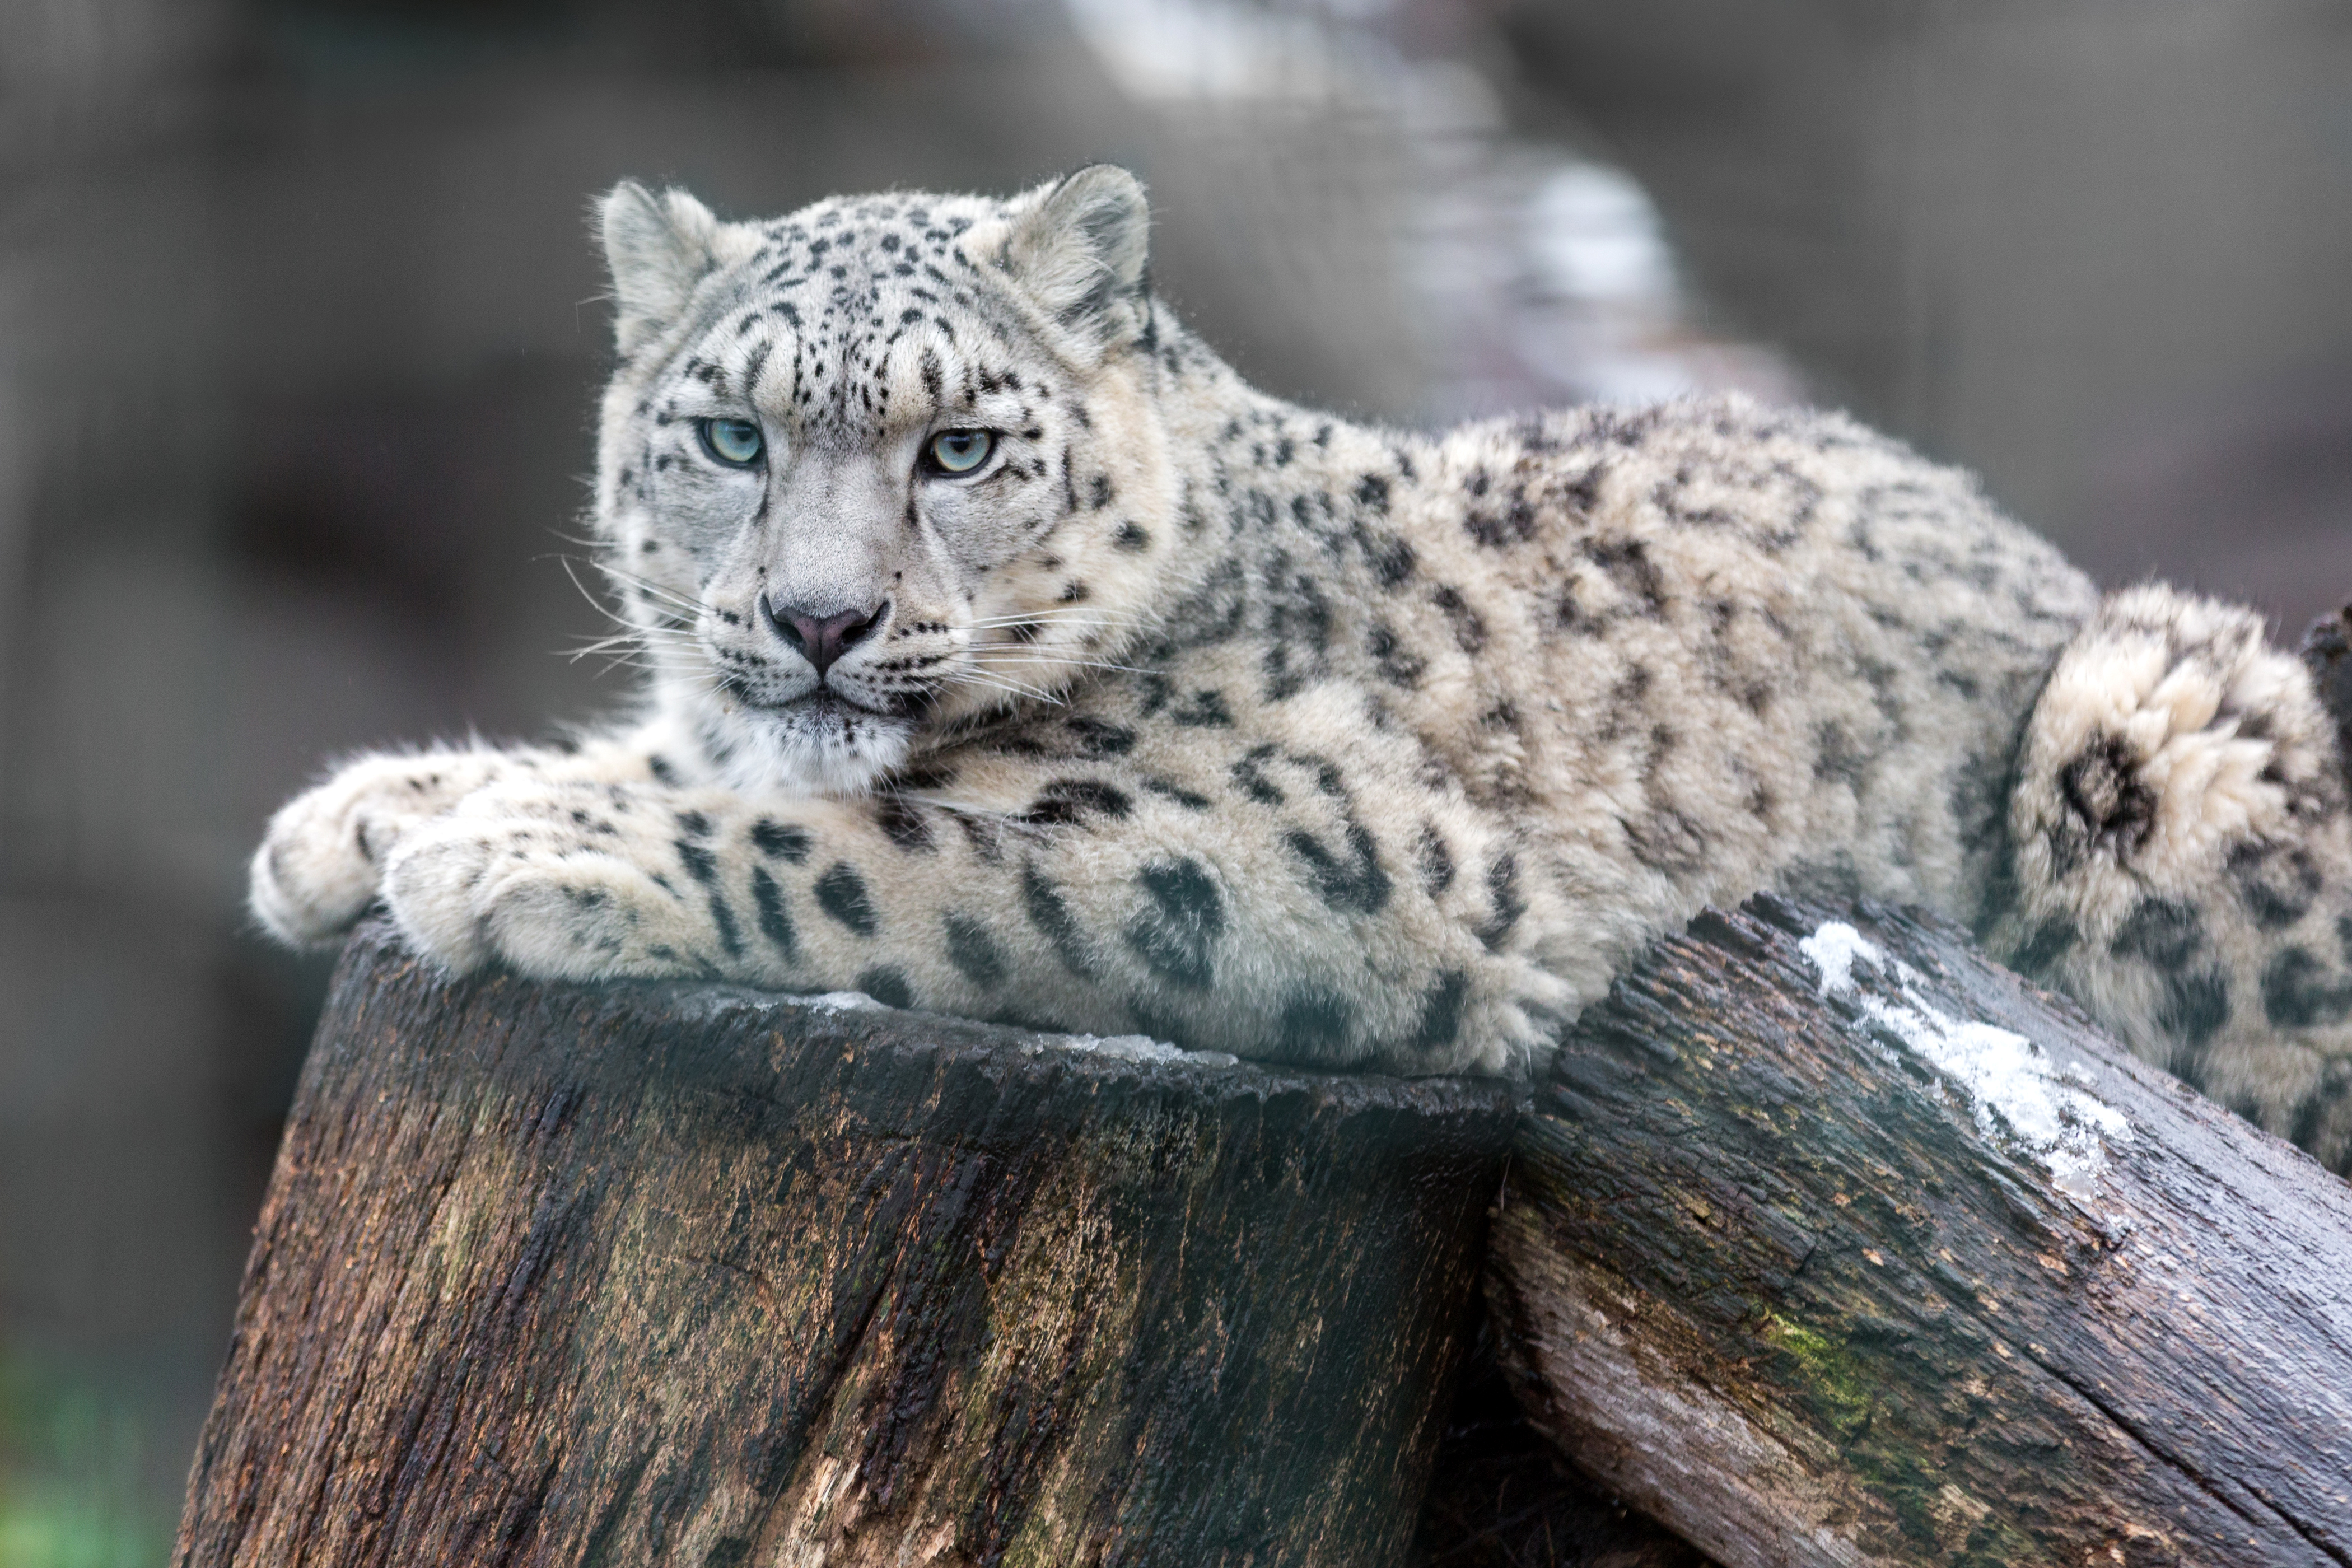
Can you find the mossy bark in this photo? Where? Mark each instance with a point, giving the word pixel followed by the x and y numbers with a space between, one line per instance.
pixel 1767 1270
pixel 695 1275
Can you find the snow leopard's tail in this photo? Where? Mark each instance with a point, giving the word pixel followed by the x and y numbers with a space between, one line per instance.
pixel 2183 856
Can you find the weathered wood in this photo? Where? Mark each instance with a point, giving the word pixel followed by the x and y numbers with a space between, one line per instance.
pixel 1768 1269
pixel 1500 1495
pixel 696 1275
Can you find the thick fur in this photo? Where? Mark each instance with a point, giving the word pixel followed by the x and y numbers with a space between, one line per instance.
pixel 1198 713
pixel 2183 859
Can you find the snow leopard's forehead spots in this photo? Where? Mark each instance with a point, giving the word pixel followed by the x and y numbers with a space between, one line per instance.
pixel 855 320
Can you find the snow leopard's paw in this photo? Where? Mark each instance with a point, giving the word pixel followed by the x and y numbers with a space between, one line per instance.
pixel 320 863
pixel 1522 1026
pixel 537 878
pixel 1498 1015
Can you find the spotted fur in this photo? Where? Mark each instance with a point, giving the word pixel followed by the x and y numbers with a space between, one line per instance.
pixel 2183 858
pixel 1198 713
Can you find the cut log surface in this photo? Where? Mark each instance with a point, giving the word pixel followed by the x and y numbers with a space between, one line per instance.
pixel 1833 1243
pixel 696 1275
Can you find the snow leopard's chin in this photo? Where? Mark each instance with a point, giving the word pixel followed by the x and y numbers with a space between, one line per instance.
pixel 818 745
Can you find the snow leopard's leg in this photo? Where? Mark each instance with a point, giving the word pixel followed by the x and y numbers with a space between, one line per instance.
pixel 320 863
pixel 2183 858
pixel 1095 895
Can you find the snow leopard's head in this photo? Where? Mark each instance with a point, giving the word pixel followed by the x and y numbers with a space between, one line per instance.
pixel 880 465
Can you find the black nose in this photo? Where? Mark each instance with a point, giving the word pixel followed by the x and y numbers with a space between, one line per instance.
pixel 820 639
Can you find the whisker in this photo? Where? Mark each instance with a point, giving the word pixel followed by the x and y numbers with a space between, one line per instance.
pixel 1056 612
pixel 646 635
pixel 1009 686
pixel 648 587
pixel 636 659
pixel 627 626
pixel 633 653
pixel 997 656
pixel 995 670
pixel 602 608
pixel 1051 619
pixel 1014 635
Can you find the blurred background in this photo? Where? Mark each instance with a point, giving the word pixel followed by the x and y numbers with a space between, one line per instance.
pixel 300 332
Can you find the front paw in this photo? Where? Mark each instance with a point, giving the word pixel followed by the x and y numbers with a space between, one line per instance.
pixel 1520 1035
pixel 479 888
pixel 320 862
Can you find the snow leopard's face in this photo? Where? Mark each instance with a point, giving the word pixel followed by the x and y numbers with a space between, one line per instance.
pixel 879 464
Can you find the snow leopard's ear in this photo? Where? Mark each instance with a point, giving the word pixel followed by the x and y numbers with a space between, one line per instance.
pixel 656 248
pixel 1077 247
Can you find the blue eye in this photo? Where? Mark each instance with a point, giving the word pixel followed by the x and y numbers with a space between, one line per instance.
pixel 960 451
pixel 734 442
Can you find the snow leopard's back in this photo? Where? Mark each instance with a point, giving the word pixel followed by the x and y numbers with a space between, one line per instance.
pixel 1707 646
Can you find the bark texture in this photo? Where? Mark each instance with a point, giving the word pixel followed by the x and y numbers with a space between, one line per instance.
pixel 694 1274
pixel 1776 1264
pixel 1502 1497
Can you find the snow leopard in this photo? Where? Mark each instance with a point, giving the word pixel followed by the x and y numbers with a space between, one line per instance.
pixel 1007 654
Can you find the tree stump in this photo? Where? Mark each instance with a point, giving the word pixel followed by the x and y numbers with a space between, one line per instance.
pixel 1806 1252
pixel 698 1274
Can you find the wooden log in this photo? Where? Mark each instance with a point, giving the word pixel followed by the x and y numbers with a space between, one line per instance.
pixel 698 1275
pixel 1501 1495
pixel 1823 1273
